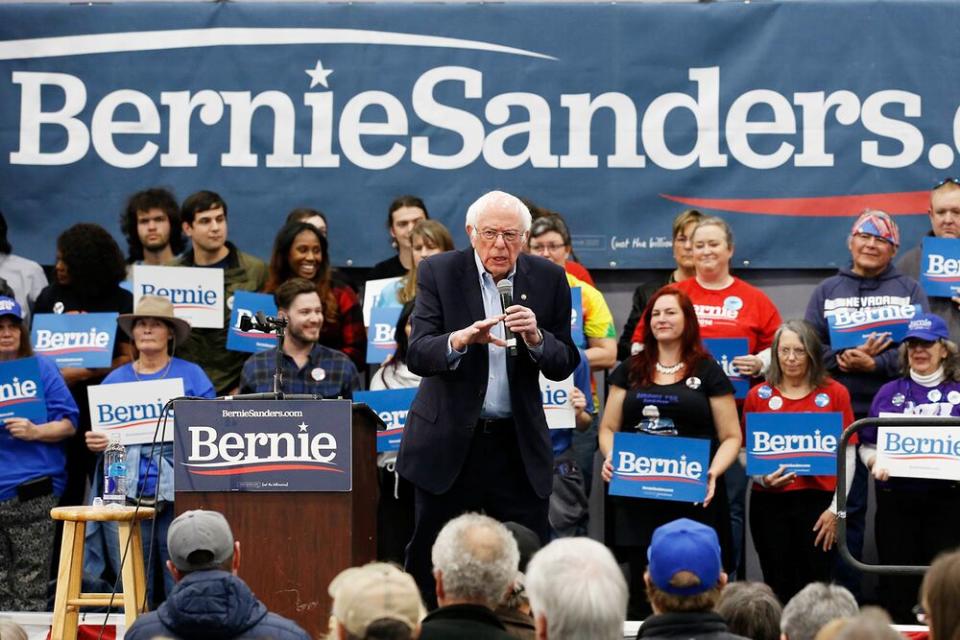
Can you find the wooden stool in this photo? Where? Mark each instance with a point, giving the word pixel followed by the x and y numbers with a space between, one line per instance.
pixel 69 599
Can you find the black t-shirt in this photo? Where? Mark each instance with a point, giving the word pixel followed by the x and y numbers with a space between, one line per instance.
pixel 686 403
pixel 389 268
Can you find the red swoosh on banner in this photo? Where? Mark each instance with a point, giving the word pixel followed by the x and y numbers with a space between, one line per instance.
pixel 263 468
pixel 904 203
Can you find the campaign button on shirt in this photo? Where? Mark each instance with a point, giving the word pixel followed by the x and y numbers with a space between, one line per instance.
pixel 765 392
pixel 898 399
pixel 934 395
pixel 733 303
pixel 693 382
pixel 318 374
pixel 776 402
pixel 953 397
pixel 822 400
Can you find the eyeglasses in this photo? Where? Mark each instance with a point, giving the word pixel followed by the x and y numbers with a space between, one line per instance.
pixel 510 236
pixel 951 180
pixel 797 353
pixel 549 246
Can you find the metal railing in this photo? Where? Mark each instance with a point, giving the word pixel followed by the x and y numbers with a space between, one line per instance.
pixel 913 421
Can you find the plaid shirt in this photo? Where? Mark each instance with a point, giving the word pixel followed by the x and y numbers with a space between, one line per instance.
pixel 339 377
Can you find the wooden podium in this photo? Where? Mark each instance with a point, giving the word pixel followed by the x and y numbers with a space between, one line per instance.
pixel 293 544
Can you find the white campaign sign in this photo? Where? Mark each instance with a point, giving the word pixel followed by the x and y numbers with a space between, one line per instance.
pixel 372 290
pixel 196 292
pixel 557 403
pixel 919 452
pixel 133 408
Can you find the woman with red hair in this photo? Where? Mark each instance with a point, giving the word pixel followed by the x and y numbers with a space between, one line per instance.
pixel 672 387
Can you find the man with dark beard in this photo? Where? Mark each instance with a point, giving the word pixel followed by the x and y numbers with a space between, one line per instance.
pixel 308 367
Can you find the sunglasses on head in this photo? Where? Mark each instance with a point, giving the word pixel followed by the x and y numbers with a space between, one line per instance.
pixel 952 180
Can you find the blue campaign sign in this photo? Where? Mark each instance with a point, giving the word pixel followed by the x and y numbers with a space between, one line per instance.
pixel 262 445
pixel 601 117
pixel 381 342
pixel 940 267
pixel 247 304
pixel 850 328
pixel 21 392
pixel 660 467
pixel 392 406
pixel 804 443
pixel 75 339
pixel 724 350
pixel 576 317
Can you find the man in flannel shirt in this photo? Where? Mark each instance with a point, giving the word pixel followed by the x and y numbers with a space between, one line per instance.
pixel 308 367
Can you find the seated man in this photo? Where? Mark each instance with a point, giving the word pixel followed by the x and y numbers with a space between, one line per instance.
pixel 375 601
pixel 684 580
pixel 577 591
pixel 308 366
pixel 813 607
pixel 209 601
pixel 475 561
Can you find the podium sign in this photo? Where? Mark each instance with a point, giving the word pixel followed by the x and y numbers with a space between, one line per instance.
pixel 265 445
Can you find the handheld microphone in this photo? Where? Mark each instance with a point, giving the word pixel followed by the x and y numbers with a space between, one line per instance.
pixel 261 322
pixel 505 288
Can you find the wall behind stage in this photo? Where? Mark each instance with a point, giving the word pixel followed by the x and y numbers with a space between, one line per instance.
pixel 786 118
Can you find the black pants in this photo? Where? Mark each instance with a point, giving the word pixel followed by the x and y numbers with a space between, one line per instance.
pixel 394 516
pixel 782 528
pixel 493 481
pixel 912 527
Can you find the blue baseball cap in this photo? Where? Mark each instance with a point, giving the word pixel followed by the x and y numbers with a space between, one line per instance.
pixel 927 326
pixel 684 545
pixel 10 307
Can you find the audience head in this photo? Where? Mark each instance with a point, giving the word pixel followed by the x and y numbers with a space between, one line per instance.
pixel 669 315
pixel 751 610
pixel 5 246
pixel 814 606
pixel 429 237
pixel 683 226
pixel 14 338
pixel 528 543
pixel 712 242
pixel 404 212
pixel 940 596
pixel 298 301
pixel 377 601
pixel 310 216
pixel 685 572
pixel 550 239
pixel 201 540
pixel 151 220
pixel 89 260
pixel 10 630
pixel 153 322
pixel 945 208
pixel 299 251
pixel 475 561
pixel 498 225
pixel 874 238
pixel 867 628
pixel 577 590
pixel 796 347
pixel 204 221
pixel 927 346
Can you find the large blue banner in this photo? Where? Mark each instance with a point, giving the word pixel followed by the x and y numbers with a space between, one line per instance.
pixel 786 118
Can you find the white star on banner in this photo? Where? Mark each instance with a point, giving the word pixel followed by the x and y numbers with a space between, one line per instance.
pixel 303 426
pixel 318 75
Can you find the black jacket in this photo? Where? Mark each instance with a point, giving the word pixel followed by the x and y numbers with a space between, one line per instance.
pixel 463 622
pixel 698 625
pixel 213 605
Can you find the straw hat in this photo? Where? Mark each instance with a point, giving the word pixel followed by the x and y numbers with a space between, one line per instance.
pixel 155 307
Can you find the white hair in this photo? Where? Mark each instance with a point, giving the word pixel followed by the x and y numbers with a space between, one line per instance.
pixel 492 198
pixel 576 584
pixel 814 606
pixel 477 558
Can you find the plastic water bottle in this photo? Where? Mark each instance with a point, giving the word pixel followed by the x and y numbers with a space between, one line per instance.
pixel 115 474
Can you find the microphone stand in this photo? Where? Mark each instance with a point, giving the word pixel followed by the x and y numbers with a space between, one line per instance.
pixel 278 363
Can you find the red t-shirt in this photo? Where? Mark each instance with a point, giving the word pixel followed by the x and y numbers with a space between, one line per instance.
pixel 738 311
pixel 831 397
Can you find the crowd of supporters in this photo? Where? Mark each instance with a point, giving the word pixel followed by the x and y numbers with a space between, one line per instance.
pixel 662 382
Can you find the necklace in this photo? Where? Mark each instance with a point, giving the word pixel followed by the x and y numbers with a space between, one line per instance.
pixel 166 369
pixel 669 371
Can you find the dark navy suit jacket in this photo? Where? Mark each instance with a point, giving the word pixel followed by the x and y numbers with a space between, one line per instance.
pixel 440 424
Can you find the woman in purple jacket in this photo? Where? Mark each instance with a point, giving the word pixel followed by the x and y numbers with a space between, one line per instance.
pixel 916 518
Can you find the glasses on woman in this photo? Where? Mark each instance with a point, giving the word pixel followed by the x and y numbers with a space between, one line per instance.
pixel 537 247
pixel 796 352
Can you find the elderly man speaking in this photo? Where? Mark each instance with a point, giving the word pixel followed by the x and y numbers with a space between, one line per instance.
pixel 476 437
